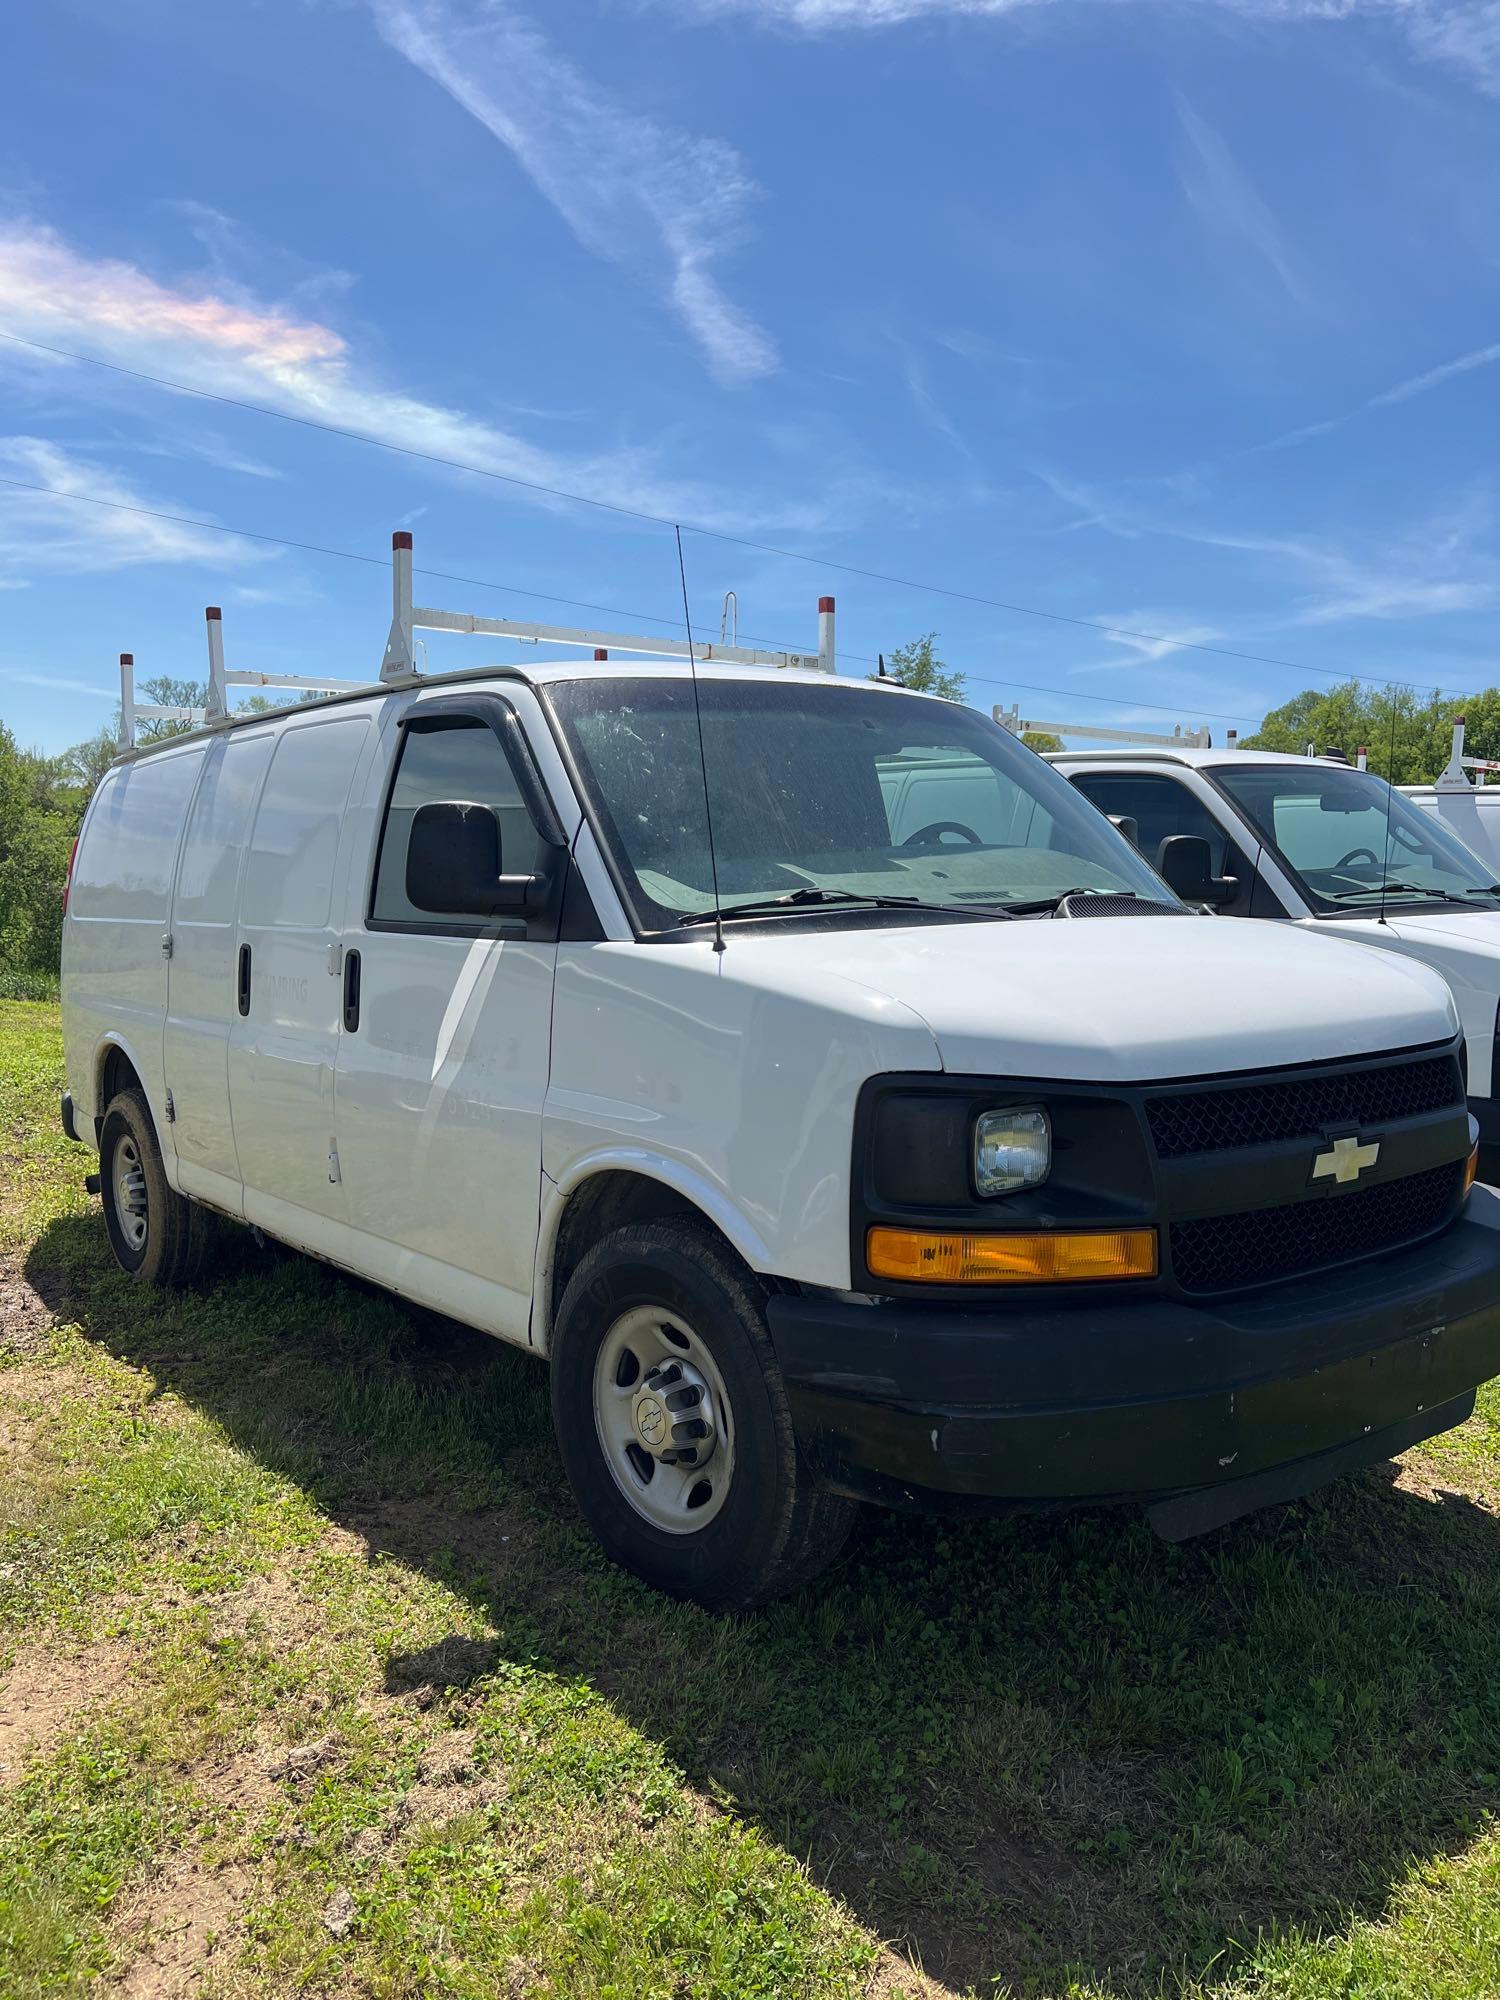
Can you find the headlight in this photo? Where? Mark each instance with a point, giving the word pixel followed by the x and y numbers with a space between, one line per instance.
pixel 1012 1149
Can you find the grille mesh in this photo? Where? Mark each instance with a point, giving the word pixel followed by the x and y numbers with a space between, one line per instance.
pixel 1107 904
pixel 1255 1114
pixel 1219 1253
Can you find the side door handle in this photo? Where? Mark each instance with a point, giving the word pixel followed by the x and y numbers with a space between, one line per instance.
pixel 351 992
pixel 242 986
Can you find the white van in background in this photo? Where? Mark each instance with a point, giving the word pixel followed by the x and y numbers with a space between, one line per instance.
pixel 800 1122
pixel 1468 806
pixel 1327 847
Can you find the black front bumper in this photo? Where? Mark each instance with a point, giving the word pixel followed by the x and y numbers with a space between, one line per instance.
pixel 1116 1399
pixel 1486 1114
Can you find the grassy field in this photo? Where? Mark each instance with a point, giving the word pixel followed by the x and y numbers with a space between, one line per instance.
pixel 310 1682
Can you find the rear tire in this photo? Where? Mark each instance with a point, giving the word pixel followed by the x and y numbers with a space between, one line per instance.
pixel 673 1424
pixel 157 1235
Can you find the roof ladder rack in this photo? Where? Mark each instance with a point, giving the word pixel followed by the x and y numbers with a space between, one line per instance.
pixel 407 618
pixel 398 666
pixel 1454 775
pixel 1180 739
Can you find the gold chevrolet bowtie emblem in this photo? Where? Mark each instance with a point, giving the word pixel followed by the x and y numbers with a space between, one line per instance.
pixel 1346 1159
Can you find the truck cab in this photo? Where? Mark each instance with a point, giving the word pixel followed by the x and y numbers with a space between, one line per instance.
pixel 1330 849
pixel 828 1142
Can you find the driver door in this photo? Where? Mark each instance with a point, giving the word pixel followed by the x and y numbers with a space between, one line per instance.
pixel 444 1059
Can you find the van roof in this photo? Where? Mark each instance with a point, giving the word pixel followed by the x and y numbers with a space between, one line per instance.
pixel 534 673
pixel 1196 759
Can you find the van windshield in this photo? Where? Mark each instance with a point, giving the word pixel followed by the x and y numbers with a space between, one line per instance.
pixel 1350 841
pixel 859 794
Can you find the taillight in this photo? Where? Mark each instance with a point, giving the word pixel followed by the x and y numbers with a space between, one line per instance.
pixel 68 878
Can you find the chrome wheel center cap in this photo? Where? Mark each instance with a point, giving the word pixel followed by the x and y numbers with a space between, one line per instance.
pixel 673 1415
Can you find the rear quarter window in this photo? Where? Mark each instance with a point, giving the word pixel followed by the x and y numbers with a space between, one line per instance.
pixel 289 869
pixel 124 864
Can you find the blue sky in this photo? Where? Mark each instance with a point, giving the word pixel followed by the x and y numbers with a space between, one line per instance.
pixel 1179 319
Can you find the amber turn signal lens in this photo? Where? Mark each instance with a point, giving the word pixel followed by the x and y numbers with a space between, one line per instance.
pixel 1471 1170
pixel 1045 1257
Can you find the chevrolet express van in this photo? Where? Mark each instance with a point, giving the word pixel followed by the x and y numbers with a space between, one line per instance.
pixel 1317 843
pixel 829 1145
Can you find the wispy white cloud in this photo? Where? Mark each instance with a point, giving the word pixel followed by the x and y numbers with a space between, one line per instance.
pixel 1134 649
pixel 1400 392
pixel 1463 35
pixel 52 526
pixel 60 684
pixel 1445 562
pixel 931 411
pixel 632 191
pixel 245 349
pixel 1227 201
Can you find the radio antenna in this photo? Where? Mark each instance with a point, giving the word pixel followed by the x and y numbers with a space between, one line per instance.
pixel 708 811
pixel 1390 790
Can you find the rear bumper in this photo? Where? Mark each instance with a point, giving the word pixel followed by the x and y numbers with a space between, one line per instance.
pixel 1146 1399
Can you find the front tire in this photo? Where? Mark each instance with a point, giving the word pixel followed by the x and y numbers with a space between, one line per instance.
pixel 673 1423
pixel 158 1236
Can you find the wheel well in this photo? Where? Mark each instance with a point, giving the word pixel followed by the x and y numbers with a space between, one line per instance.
pixel 608 1201
pixel 116 1073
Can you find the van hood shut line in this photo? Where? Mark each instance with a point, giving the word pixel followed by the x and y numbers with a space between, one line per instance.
pixel 1166 999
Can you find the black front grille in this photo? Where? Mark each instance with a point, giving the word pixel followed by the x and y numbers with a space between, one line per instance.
pixel 1258 1113
pixel 1221 1253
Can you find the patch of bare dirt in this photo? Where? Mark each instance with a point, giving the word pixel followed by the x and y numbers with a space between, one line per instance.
pixel 176 1926
pixel 46 1692
pixel 25 1317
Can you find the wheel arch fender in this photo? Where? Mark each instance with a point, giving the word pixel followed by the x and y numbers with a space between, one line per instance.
pixel 612 1185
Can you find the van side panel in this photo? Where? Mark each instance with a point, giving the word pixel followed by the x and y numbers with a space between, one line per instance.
pixel 283 1049
pixel 114 968
pixel 201 972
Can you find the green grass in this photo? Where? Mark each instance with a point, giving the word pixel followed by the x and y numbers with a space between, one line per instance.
pixel 1046 1756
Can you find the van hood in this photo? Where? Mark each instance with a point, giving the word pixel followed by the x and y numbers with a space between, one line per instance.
pixel 1117 1000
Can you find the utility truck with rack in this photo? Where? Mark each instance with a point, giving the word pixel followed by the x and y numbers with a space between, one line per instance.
pixel 830 1143
pixel 1319 843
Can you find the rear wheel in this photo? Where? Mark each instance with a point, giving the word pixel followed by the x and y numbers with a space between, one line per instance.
pixel 157 1235
pixel 673 1423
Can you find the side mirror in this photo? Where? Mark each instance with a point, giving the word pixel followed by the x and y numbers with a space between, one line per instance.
pixel 453 865
pixel 1185 864
pixel 1123 823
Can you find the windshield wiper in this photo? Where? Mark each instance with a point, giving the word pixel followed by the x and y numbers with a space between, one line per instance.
pixel 1408 889
pixel 810 898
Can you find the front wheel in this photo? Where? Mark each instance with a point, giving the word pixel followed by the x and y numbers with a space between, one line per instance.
pixel 157 1235
pixel 673 1422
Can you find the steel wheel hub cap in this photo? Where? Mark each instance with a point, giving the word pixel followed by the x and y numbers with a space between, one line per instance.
pixel 130 1194
pixel 662 1415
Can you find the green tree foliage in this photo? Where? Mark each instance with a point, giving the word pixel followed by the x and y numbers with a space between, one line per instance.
pixel 1349 715
pixel 165 692
pixel 41 805
pixel 1042 741
pixel 918 667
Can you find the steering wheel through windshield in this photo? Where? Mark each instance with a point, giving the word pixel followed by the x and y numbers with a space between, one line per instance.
pixel 1358 854
pixel 929 836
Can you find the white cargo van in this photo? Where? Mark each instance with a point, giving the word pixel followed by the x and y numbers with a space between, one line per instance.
pixel 1330 848
pixel 824 1158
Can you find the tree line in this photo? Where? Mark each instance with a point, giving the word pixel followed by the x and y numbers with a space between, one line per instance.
pixel 42 802
pixel 42 799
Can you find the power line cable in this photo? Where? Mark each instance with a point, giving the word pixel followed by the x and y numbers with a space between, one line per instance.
pixel 693 528
pixel 614 610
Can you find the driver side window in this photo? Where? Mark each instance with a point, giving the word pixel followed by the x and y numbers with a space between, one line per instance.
pixel 462 761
